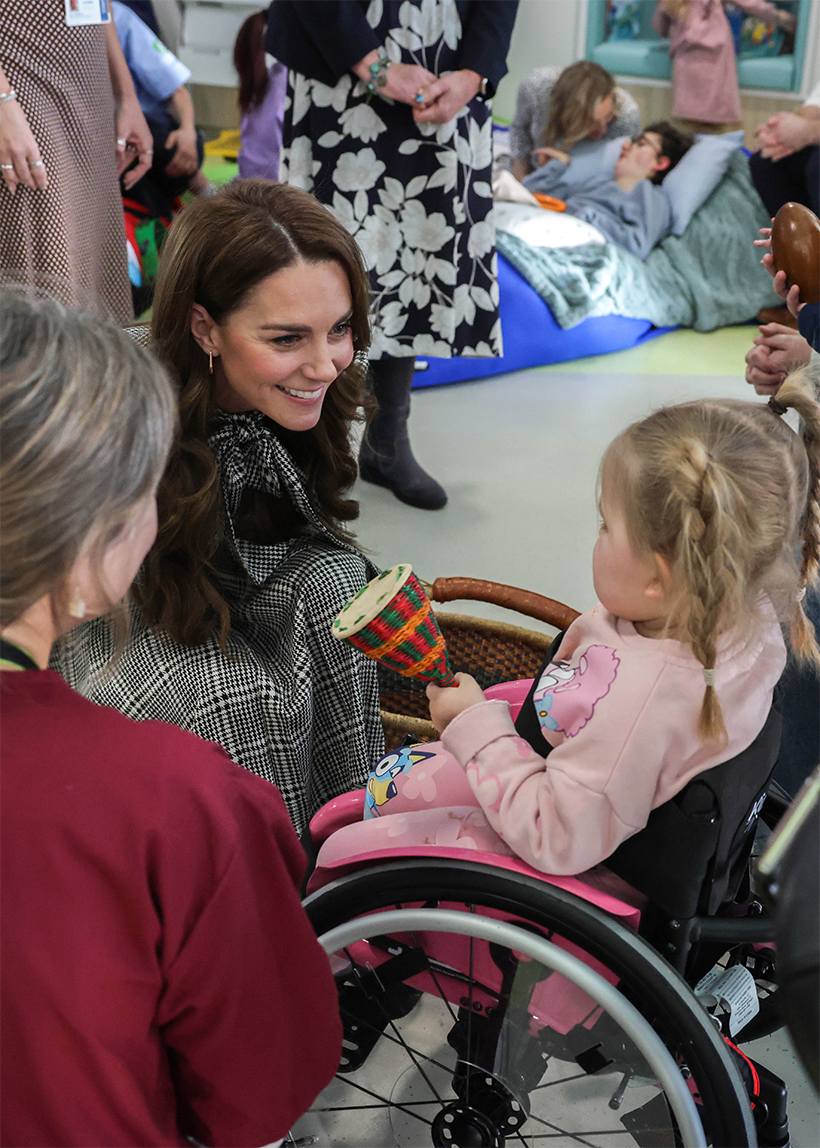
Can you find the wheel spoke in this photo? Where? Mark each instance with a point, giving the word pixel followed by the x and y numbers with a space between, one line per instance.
pixel 558 1131
pixel 388 1104
pixel 417 1063
pixel 560 1080
pixel 417 1052
pixel 483 891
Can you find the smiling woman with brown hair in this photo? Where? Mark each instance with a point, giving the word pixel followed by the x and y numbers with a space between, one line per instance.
pixel 261 314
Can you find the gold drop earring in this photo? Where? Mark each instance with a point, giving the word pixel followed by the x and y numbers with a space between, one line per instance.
pixel 76 605
pixel 211 362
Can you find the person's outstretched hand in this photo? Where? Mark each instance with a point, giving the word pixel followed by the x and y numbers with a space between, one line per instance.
pixel 775 352
pixel 444 98
pixel 447 702
pixel 542 155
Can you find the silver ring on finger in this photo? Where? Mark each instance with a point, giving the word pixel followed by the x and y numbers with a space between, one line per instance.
pixel 121 143
pixel 6 167
pixel 37 163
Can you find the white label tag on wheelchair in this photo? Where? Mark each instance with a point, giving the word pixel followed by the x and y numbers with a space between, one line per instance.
pixel 733 987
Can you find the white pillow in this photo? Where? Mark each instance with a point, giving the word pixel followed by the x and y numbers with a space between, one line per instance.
pixel 697 175
pixel 542 228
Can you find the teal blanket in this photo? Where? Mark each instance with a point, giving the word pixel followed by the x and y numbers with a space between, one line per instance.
pixel 709 277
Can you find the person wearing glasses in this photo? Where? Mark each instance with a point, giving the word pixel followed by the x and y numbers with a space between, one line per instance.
pixel 628 205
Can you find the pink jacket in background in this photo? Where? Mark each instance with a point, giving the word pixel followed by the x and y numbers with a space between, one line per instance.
pixel 704 67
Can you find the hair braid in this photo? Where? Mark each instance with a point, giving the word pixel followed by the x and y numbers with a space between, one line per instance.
pixel 724 492
pixel 793 394
pixel 710 578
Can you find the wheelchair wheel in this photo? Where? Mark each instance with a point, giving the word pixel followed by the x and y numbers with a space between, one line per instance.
pixel 473 1031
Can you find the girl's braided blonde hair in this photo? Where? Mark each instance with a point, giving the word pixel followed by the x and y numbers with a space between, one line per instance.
pixel 727 494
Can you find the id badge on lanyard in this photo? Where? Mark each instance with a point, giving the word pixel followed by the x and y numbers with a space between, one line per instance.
pixel 79 12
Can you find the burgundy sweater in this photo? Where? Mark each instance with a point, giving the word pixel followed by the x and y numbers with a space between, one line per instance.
pixel 159 976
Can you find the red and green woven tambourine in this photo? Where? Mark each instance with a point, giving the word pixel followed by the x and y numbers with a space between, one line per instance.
pixel 392 621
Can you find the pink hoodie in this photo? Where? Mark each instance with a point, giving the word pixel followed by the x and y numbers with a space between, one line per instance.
pixel 621 712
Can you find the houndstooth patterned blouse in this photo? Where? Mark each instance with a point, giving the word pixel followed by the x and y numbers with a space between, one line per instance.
pixel 287 700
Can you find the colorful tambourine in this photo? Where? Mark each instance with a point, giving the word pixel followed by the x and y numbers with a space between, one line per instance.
pixel 392 621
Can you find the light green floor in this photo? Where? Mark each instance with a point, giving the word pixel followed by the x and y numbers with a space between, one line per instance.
pixel 219 170
pixel 681 352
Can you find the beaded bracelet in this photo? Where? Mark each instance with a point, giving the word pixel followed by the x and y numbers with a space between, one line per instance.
pixel 9 95
pixel 378 75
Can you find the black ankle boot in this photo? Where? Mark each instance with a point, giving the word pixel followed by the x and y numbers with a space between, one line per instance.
pixel 386 457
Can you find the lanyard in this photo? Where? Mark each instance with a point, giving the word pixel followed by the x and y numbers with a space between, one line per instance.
pixel 12 657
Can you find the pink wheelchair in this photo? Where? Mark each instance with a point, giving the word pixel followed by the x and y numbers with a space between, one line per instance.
pixel 486 1003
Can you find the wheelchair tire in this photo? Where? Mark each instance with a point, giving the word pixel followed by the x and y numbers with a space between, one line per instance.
pixel 645 978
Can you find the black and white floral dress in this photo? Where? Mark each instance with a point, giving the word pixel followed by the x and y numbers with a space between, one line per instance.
pixel 417 198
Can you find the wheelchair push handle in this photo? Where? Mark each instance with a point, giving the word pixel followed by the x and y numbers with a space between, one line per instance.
pixel 525 602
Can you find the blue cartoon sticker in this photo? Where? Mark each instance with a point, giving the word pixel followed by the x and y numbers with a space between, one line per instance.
pixel 381 784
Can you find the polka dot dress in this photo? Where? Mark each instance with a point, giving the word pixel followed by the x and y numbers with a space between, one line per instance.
pixel 67 241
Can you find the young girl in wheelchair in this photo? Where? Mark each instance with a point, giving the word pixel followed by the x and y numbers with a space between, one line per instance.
pixel 704 507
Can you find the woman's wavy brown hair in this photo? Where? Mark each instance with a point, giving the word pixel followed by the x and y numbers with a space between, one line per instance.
pixel 572 103
pixel 218 250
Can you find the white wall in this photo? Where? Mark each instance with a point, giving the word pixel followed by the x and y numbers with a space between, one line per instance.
pixel 546 32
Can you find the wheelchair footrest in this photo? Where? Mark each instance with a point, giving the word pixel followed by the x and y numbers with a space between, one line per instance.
pixel 369 999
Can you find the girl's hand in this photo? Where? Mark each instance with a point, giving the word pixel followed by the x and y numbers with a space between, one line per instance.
pixel 542 154
pixel 447 703
pixel 182 142
pixel 766 241
pixel 444 98
pixel 787 132
pixel 19 153
pixel 776 351
pixel 133 136
pixel 789 295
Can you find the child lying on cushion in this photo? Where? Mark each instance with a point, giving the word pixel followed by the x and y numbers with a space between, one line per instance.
pixel 628 205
